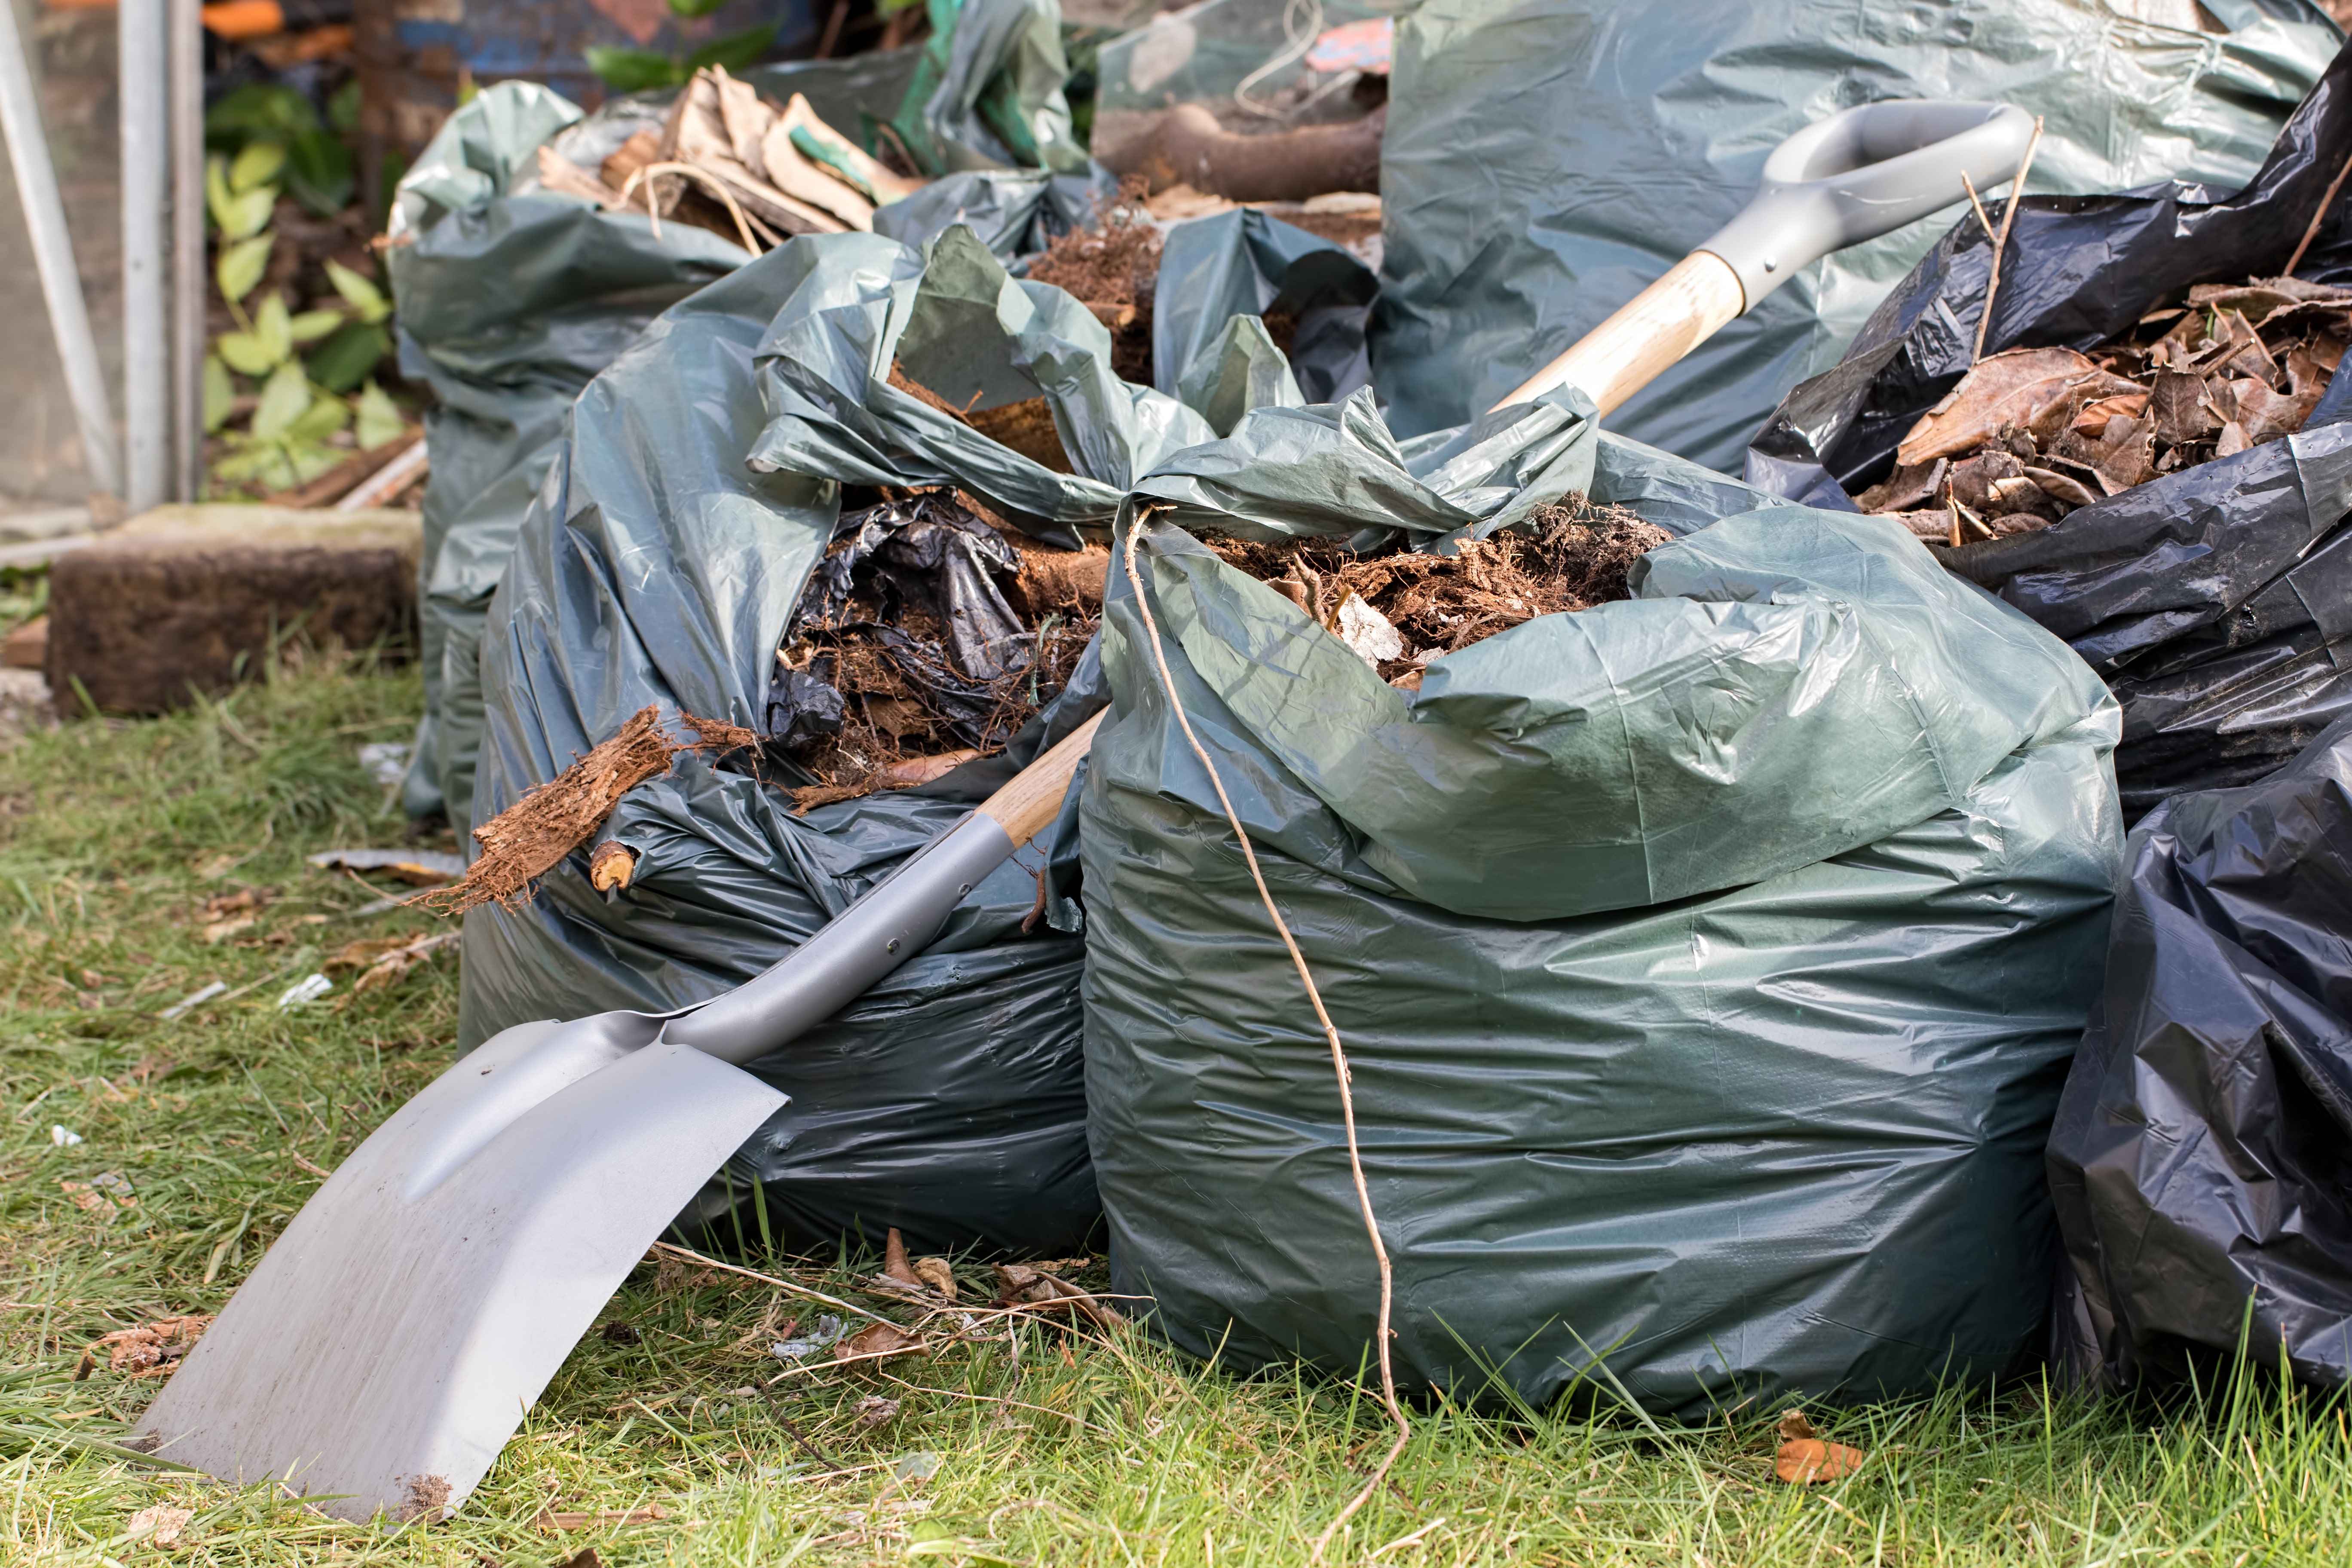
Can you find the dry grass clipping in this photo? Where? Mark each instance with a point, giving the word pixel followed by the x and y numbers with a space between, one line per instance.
pixel 530 838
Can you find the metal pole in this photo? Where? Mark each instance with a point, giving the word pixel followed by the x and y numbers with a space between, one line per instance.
pixel 186 63
pixel 44 224
pixel 146 148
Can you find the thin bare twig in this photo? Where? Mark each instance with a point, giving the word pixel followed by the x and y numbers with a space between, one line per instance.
pixel 2312 232
pixel 1339 1058
pixel 1977 201
pixel 2007 216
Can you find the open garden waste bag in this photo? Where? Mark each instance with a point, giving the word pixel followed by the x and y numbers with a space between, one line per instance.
pixel 1708 963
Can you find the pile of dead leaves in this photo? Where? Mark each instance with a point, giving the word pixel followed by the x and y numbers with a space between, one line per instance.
pixel 731 161
pixel 149 1349
pixel 2029 435
pixel 925 639
pixel 1402 612
pixel 1113 270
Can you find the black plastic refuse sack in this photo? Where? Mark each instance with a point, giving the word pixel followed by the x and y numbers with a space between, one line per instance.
pixel 696 487
pixel 2216 601
pixel 1708 962
pixel 2202 1156
pixel 1546 159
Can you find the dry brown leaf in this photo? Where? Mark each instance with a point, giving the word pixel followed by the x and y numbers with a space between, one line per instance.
pixel 2010 388
pixel 159 1523
pixel 1905 488
pixel 221 931
pixel 360 954
pixel 877 1339
pixel 394 965
pixel 936 1273
pixel 1809 1461
pixel 894 1260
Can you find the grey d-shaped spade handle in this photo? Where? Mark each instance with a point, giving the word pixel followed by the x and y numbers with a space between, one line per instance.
pixel 1853 176
pixel 1861 174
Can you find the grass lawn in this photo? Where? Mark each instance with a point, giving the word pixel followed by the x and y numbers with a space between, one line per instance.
pixel 125 849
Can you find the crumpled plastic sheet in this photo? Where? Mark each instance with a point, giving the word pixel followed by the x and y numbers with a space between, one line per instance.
pixel 1708 963
pixel 2216 602
pixel 986 91
pixel 2202 1156
pixel 1547 159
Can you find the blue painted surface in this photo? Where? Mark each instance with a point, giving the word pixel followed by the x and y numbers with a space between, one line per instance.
pixel 544 40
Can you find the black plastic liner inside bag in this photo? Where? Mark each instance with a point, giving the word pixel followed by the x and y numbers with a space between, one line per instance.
pixel 2201 1163
pixel 2216 602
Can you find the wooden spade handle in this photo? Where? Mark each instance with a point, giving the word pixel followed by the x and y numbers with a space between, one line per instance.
pixel 1027 807
pixel 1658 326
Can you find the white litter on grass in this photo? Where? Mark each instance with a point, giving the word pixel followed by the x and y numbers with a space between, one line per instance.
pixel 309 988
pixel 386 760
pixel 61 1138
pixel 194 999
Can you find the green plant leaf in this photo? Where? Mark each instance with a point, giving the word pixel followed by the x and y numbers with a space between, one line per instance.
pixel 218 197
pixel 249 213
pixel 343 107
pixel 692 8
pixel 358 293
pixel 220 392
pixel 734 51
pixel 275 327
pixel 285 399
pixel 321 419
pixel 344 359
pixel 258 111
pixel 379 417
pixel 257 165
pixel 246 354
pixel 318 171
pixel 241 264
pixel 311 325
pixel 632 70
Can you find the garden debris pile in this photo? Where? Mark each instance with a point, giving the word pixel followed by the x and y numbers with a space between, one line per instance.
pixel 2029 435
pixel 923 639
pixel 730 161
pixel 1113 270
pixel 1403 611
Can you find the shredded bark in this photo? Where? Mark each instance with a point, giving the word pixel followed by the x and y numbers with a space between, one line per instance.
pixel 530 838
pixel 1113 270
pixel 2030 435
pixel 1572 555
